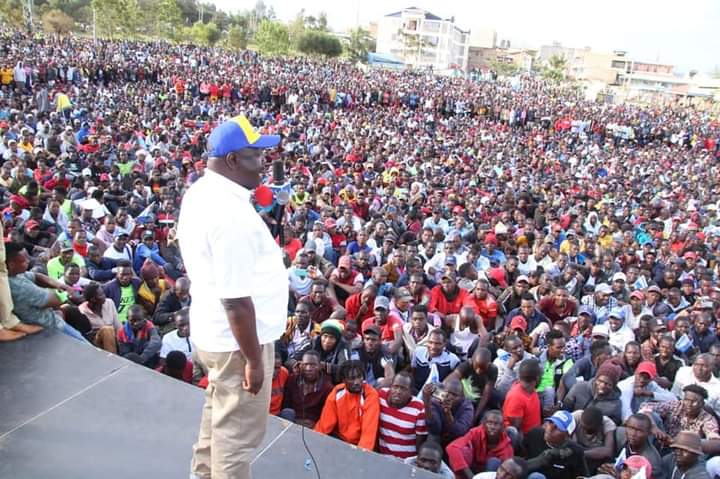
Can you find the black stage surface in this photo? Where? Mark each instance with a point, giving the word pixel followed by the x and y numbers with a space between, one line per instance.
pixel 70 411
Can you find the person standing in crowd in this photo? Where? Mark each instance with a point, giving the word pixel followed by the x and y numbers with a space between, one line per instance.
pixel 239 290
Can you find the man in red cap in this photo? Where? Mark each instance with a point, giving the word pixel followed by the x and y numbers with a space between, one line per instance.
pixel 640 388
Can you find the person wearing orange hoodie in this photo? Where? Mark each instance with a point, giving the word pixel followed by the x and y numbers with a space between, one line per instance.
pixel 352 409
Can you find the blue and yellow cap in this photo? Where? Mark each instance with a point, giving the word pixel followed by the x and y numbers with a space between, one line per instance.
pixel 236 134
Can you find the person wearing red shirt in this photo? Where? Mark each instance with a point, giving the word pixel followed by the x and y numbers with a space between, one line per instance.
pixel 390 325
pixel 482 302
pixel 447 297
pixel 483 448
pixel 559 306
pixel 360 306
pixel 521 408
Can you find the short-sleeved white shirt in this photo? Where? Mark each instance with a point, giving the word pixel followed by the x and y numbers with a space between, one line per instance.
pixel 229 253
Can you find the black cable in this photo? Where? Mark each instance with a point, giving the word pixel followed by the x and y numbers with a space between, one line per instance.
pixel 302 434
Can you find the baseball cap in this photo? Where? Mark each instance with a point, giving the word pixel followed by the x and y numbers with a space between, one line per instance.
pixel 382 302
pixel 689 255
pixel 30 224
pixel 522 277
pixel 637 294
pixel 563 420
pixel 603 288
pixel 600 330
pixel 451 260
pixel 518 322
pixel 647 367
pixel 236 134
pixel 618 313
pixel 403 294
pixel 654 289
pixel 66 246
pixel 619 276
pixel 372 329
pixel 330 223
pixel 639 462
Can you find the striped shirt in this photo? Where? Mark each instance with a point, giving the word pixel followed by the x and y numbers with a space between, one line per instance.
pixel 399 428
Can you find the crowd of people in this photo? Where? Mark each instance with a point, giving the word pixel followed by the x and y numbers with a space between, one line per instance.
pixel 487 278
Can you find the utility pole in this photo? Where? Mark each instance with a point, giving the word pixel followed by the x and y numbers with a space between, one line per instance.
pixel 28 7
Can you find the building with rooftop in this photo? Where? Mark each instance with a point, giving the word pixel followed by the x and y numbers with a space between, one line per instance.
pixel 423 39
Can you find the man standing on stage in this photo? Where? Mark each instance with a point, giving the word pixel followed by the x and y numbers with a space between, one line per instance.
pixel 240 294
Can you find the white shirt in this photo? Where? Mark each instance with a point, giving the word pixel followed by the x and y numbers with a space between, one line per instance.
pixel 172 342
pixel 685 377
pixel 229 253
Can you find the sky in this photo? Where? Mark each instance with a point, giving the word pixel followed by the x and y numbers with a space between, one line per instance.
pixel 683 33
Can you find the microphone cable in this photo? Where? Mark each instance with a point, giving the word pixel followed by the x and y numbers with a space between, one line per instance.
pixel 302 436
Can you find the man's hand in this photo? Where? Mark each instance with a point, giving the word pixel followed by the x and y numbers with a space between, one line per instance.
pixel 640 392
pixel 254 377
pixel 427 392
pixel 608 469
pixel 663 437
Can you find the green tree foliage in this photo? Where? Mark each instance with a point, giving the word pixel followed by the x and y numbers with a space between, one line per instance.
pixel 11 11
pixel 359 44
pixel 315 42
pixel 555 69
pixel 296 28
pixel 237 37
pixel 167 19
pixel 58 22
pixel 272 38
pixel 117 18
pixel 503 68
pixel 203 33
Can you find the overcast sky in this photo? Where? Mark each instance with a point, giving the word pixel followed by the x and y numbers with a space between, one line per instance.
pixel 684 33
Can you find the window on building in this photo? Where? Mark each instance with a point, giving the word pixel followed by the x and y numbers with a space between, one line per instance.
pixel 618 64
pixel 431 26
pixel 411 25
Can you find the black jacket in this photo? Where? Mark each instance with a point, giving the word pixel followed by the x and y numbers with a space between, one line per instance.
pixel 168 305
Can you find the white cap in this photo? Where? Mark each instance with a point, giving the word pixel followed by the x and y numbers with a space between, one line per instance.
pixel 619 276
pixel 603 288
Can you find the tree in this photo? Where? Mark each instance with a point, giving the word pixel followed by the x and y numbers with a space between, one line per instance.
pixel 11 12
pixel 168 18
pixel 296 28
pixel 319 43
pixel 237 37
pixel 359 44
pixel 555 69
pixel 272 38
pixel 203 33
pixel 503 68
pixel 58 22
pixel 117 17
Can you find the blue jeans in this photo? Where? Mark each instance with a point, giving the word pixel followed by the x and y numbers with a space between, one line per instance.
pixel 288 414
pixel 492 464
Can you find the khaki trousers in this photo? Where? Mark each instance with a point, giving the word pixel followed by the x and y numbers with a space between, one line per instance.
pixel 105 339
pixel 7 319
pixel 233 420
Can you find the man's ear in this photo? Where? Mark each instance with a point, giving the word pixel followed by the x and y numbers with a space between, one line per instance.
pixel 231 161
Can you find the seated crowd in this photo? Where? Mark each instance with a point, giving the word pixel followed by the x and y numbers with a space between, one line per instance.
pixel 484 281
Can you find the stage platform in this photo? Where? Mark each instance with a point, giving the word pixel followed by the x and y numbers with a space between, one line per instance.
pixel 69 411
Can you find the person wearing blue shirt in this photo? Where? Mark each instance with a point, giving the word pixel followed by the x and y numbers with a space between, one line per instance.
pixel 148 249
